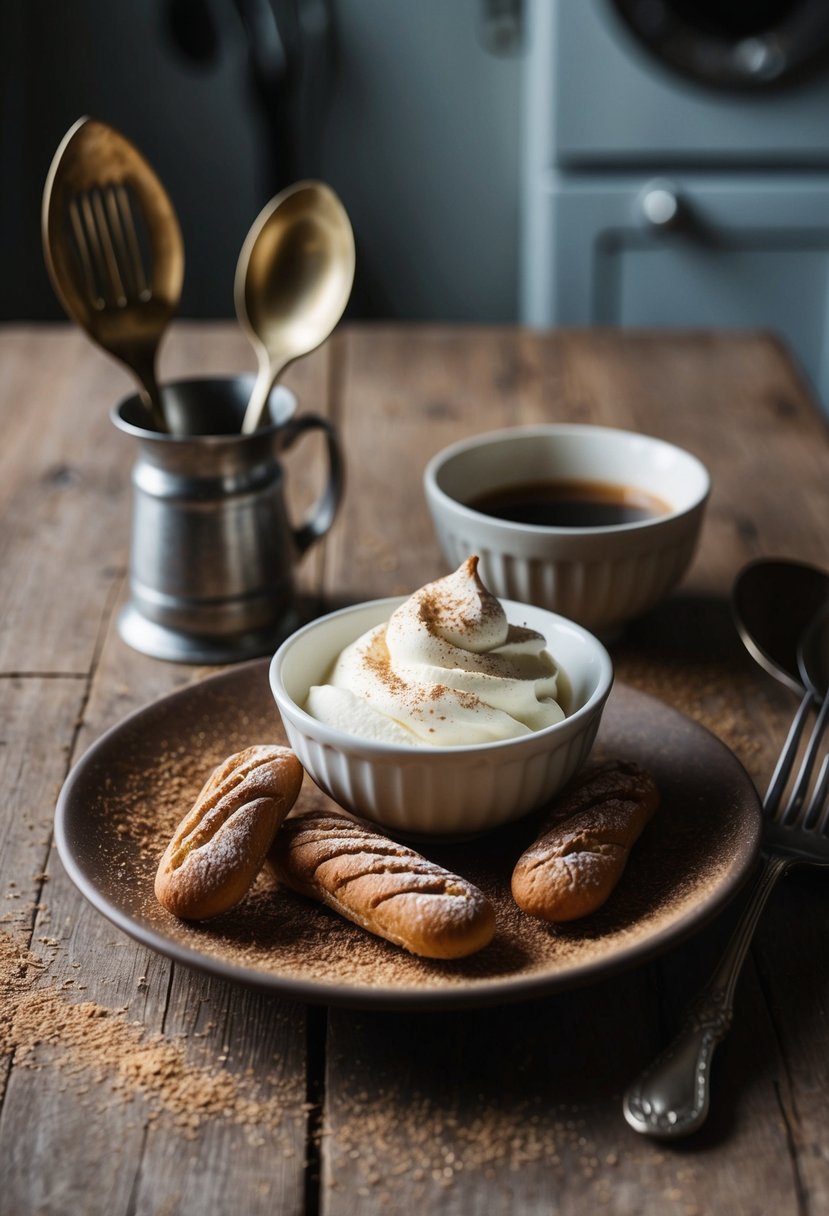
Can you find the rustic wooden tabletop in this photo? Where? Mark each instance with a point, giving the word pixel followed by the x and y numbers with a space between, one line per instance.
pixel 132 1085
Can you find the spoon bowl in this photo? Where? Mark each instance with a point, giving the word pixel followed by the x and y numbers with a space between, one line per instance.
pixel 293 281
pixel 813 654
pixel 774 601
pixel 113 249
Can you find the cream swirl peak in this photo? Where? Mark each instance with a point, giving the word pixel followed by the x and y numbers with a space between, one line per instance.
pixel 447 669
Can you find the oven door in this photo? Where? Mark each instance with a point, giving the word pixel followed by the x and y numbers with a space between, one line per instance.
pixel 692 252
pixel 732 44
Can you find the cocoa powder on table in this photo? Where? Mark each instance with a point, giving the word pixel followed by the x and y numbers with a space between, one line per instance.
pixel 90 1043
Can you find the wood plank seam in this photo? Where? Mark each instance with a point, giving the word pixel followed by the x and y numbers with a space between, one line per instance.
pixel 801 1198
pixel 44 675
pixel 316 1017
pixel 335 392
pixel 786 1102
pixel 107 611
pixel 135 1189
pixel 106 617
pixel 316 1031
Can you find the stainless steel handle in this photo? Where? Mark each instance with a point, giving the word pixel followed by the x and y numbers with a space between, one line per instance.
pixel 321 516
pixel 672 1096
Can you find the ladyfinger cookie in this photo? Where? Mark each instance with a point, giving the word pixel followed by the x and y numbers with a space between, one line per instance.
pixel 381 885
pixel 584 843
pixel 219 847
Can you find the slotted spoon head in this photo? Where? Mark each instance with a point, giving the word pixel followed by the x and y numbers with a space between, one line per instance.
pixel 112 242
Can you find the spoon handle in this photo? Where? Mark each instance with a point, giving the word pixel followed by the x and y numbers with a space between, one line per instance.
pixel 143 368
pixel 153 405
pixel 258 403
pixel 672 1096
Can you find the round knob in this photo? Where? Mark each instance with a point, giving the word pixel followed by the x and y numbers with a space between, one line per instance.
pixel 661 206
pixel 760 58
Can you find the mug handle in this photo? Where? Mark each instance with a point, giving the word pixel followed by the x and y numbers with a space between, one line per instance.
pixel 321 515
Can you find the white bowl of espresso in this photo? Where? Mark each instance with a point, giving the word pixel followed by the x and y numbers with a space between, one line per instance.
pixel 596 524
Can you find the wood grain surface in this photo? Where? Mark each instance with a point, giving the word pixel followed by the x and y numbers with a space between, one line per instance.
pixel 339 1112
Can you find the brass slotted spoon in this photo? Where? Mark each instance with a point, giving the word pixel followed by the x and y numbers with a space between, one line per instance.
pixel 113 249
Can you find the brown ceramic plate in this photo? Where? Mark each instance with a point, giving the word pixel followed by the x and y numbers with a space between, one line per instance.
pixel 122 801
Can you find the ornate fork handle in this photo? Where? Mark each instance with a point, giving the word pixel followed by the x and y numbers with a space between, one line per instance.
pixel 671 1097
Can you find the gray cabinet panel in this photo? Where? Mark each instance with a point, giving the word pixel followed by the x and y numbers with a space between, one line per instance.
pixel 612 102
pixel 748 253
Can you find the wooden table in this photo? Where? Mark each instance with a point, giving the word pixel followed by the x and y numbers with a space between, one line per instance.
pixel 494 1111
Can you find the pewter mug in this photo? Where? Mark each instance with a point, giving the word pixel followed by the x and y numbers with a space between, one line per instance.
pixel 213 550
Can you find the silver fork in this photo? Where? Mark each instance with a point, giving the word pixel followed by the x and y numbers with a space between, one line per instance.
pixel 671 1098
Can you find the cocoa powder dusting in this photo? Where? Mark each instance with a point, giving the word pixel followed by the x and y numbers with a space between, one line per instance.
pixel 682 858
pixel 408 1149
pixel 92 1043
pixel 723 701
pixel 377 659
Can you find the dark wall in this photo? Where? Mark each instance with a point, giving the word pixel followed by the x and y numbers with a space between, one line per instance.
pixel 397 103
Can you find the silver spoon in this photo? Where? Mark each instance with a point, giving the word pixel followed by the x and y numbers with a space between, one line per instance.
pixel 774 601
pixel 774 604
pixel 813 654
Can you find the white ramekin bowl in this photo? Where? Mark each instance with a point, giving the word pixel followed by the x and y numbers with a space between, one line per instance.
pixel 600 577
pixel 449 791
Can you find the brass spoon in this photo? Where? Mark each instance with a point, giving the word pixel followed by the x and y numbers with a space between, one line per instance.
pixel 293 280
pixel 113 248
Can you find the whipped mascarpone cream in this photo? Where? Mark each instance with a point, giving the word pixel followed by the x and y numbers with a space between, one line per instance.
pixel 447 669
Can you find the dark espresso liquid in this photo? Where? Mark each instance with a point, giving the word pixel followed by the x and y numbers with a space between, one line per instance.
pixel 570 504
